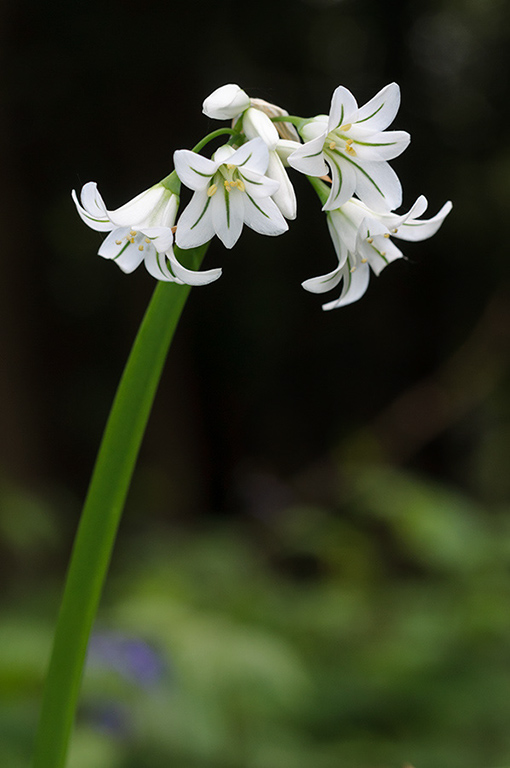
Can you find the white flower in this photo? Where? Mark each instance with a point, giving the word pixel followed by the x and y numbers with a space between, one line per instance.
pixel 361 238
pixel 256 123
pixel 230 190
pixel 353 142
pixel 226 102
pixel 140 230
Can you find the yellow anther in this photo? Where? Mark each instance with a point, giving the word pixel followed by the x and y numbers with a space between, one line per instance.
pixel 212 190
pixel 395 231
pixel 230 166
pixel 240 185
pixel 233 183
pixel 131 239
pixel 227 185
pixel 147 240
pixel 370 240
pixel 364 261
pixel 346 127
pixel 332 144
pixel 386 234
pixel 140 247
pixel 133 232
pixel 383 253
pixel 348 142
pixel 350 150
pixel 118 242
pixel 352 269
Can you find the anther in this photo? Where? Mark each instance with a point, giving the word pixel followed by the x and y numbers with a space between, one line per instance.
pixel 226 185
pixel 212 190
pixel 140 247
pixel 147 240
pixel 370 240
pixel 352 269
pixel 131 239
pixel 386 234
pixel 383 253
pixel 350 150
pixel 332 144
pixel 346 127
pixel 240 185
pixel 230 166
pixel 133 232
pixel 364 261
pixel 395 231
pixel 118 242
pixel 348 142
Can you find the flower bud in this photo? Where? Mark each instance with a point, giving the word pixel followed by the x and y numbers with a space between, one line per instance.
pixel 226 102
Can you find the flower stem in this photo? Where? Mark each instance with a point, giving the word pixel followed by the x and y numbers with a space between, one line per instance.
pixel 210 136
pixel 101 516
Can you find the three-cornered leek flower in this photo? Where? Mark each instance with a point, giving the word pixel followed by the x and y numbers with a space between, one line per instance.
pixel 226 103
pixel 230 190
pixel 362 239
pixel 355 146
pixel 257 124
pixel 140 230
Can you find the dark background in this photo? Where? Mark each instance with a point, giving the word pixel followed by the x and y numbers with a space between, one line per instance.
pixel 285 435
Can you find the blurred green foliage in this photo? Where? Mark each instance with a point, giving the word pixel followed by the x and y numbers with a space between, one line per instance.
pixel 369 633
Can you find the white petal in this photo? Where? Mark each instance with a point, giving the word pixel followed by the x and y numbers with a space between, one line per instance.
pixel 284 197
pixel 343 235
pixel 377 185
pixel 263 216
pixel 139 209
pixel 258 185
pixel 114 243
pixel 344 108
pixel 309 157
pixel 355 285
pixel 380 146
pixel 227 215
pixel 257 124
pixel 254 155
pixel 194 170
pixel 343 181
pixel 317 126
pixel 223 155
pixel 93 211
pixel 194 225
pixel 286 147
pixel 190 276
pixel 226 102
pixel 380 111
pixel 324 282
pixel 156 265
pixel 414 230
pixel 161 237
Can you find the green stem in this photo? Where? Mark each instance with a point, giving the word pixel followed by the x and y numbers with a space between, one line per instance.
pixel 101 516
pixel 210 136
pixel 322 189
pixel 294 119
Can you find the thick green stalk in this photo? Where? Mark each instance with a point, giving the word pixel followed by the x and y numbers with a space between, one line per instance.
pixel 101 516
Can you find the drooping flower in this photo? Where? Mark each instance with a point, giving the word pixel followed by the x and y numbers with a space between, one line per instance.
pixel 226 102
pixel 257 123
pixel 362 239
pixel 140 230
pixel 353 143
pixel 230 190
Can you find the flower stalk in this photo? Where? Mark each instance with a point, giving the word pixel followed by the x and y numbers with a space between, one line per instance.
pixel 101 516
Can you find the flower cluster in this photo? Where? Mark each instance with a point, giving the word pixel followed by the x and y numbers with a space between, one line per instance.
pixel 344 154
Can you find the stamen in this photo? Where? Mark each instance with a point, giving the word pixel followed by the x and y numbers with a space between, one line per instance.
pixel 133 232
pixel 118 242
pixel 370 240
pixel 383 253
pixel 332 144
pixel 233 183
pixel 350 150
pixel 346 127
pixel 395 231
pixel 349 142
pixel 131 239
pixel 227 185
pixel 212 190
pixel 230 166
pixel 147 240
pixel 386 234
pixel 364 261
pixel 240 185
pixel 140 247
pixel 352 269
